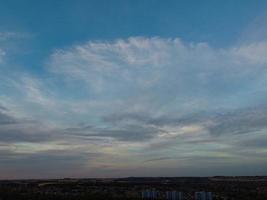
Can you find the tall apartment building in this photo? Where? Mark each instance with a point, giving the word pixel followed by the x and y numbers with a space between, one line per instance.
pixel 149 194
pixel 203 196
pixel 173 195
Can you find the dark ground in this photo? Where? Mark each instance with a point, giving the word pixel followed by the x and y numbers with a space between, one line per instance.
pixel 230 188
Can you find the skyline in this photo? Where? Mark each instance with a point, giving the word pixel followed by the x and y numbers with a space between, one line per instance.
pixel 132 88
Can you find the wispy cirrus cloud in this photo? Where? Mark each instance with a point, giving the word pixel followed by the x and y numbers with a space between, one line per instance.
pixel 2 54
pixel 149 98
pixel 8 35
pixel 162 68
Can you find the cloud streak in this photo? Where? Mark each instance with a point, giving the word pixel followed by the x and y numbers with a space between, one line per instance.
pixel 127 100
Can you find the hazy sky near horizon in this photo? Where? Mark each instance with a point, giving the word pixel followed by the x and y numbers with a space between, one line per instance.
pixel 118 88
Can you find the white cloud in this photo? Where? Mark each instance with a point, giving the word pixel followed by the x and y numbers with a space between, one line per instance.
pixel 100 62
pixel 34 92
pixel 160 76
pixel 2 54
pixel 13 35
pixel 254 53
pixel 158 91
pixel 167 71
pixel 143 60
pixel 151 75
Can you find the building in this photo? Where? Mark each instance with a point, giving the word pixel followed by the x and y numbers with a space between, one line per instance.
pixel 203 196
pixel 173 195
pixel 149 194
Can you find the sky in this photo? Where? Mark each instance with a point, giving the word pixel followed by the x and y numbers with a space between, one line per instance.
pixel 121 88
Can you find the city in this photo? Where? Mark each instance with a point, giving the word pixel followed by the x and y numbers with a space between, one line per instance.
pixel 183 188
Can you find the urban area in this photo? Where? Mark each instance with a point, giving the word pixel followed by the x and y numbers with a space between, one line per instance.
pixel 183 188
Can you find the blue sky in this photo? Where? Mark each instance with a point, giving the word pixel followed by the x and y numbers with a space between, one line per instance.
pixel 132 88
